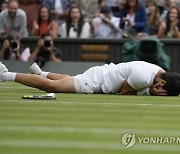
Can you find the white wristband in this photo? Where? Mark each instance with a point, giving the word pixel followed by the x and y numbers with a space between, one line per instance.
pixel 143 92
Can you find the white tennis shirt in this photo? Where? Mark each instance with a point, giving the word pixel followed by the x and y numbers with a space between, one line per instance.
pixel 110 78
pixel 139 75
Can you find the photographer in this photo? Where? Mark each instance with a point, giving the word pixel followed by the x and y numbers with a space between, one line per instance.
pixel 45 51
pixel 11 48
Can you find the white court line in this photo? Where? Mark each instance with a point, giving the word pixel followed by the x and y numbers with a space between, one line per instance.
pixel 124 104
pixel 93 103
pixel 119 131
pixel 85 145
pixel 20 88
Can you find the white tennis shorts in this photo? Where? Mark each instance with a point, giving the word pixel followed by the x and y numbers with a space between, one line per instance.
pixel 90 81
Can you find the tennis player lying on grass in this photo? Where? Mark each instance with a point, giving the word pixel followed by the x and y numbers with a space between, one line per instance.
pixel 135 77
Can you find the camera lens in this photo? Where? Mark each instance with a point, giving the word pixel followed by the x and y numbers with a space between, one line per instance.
pixel 13 44
pixel 47 44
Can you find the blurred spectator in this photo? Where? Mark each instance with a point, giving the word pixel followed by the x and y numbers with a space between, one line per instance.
pixel 167 5
pixel 144 2
pixel 31 8
pixel 101 3
pixel 170 28
pixel 153 17
pixel 160 4
pixel 44 23
pixel 75 25
pixel 119 13
pixel 45 51
pixel 89 8
pixel 4 6
pixel 134 19
pixel 12 50
pixel 106 25
pixel 113 4
pixel 176 2
pixel 59 10
pixel 13 19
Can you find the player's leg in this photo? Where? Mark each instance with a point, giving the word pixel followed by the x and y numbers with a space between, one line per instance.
pixel 37 81
pixel 35 69
pixel 65 85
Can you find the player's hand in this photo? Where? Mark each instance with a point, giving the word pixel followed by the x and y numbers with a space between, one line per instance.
pixel 157 90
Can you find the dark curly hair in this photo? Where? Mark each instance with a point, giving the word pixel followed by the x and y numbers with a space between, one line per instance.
pixel 172 85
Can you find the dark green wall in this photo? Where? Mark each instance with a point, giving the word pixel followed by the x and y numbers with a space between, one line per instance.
pixel 71 48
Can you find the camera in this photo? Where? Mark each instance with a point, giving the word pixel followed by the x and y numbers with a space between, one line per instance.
pixel 40 61
pixel 13 44
pixel 47 44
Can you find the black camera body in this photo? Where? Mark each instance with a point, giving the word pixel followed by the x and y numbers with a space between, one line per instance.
pixel 47 44
pixel 13 44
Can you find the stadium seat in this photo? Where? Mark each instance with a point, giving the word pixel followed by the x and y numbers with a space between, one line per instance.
pixel 95 52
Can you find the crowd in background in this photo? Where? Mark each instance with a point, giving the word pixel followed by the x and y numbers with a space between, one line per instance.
pixel 115 19
pixel 91 19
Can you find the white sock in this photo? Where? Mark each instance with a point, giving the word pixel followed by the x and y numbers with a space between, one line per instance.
pixel 9 76
pixel 44 74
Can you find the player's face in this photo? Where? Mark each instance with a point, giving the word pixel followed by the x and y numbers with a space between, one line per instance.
pixel 160 87
pixel 157 88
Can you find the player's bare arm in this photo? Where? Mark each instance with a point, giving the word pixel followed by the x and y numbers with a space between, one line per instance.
pixel 127 89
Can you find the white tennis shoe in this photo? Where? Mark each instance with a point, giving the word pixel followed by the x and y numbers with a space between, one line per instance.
pixel 35 69
pixel 3 69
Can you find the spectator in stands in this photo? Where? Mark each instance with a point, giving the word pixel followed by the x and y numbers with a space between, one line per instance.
pixel 177 2
pixel 75 27
pixel 167 5
pixel 13 19
pixel 113 4
pixel 106 25
pixel 44 23
pixel 119 13
pixel 89 8
pixel 134 18
pixel 59 10
pixel 45 51
pixel 11 48
pixel 153 17
pixel 31 8
pixel 4 6
pixel 143 2
pixel 170 28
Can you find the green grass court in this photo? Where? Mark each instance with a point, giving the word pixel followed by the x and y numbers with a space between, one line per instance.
pixel 84 124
